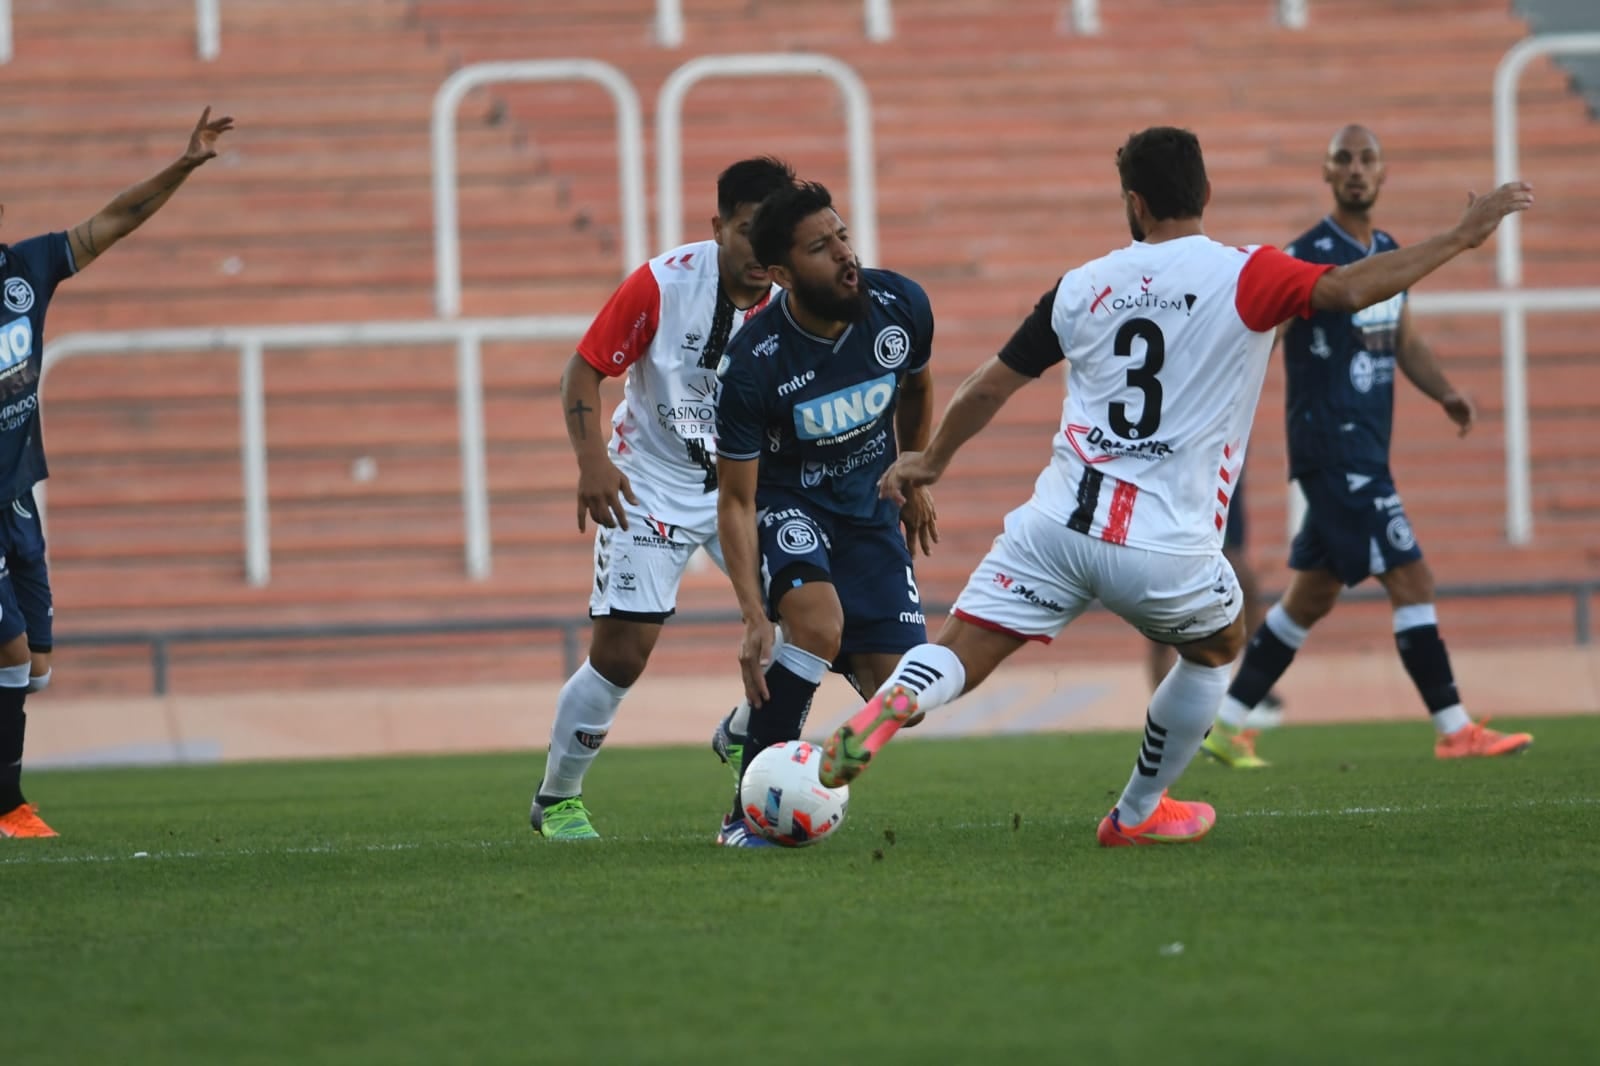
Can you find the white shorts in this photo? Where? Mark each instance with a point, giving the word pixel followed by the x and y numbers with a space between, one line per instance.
pixel 1040 575
pixel 637 571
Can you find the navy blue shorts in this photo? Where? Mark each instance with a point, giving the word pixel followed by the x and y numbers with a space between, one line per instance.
pixel 1355 527
pixel 24 576
pixel 868 565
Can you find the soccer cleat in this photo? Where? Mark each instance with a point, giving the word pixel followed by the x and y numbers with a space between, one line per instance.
pixel 1173 822
pixel 1477 739
pixel 728 746
pixel 854 744
pixel 566 819
pixel 1233 747
pixel 24 821
pixel 735 834
pixel 1268 714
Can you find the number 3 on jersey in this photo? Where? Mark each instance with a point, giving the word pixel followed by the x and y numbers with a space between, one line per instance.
pixel 1141 377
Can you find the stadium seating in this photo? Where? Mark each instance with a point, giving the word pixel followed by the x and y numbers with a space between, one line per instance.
pixel 994 139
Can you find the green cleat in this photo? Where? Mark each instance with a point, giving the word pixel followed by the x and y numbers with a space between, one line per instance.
pixel 1233 747
pixel 729 746
pixel 566 819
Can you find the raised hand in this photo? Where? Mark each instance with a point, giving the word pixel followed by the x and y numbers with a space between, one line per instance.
pixel 203 141
pixel 1484 213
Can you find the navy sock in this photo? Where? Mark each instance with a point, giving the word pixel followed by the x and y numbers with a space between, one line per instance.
pixel 1423 653
pixel 1265 660
pixel 13 724
pixel 781 718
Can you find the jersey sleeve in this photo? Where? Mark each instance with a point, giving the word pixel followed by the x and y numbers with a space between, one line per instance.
pixel 621 333
pixel 741 414
pixel 922 321
pixel 48 259
pixel 1274 288
pixel 1034 347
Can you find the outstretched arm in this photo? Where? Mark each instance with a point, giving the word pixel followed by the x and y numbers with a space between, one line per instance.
pixel 978 399
pixel 1378 277
pixel 133 205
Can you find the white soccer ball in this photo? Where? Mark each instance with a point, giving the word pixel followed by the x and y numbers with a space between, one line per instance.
pixel 783 800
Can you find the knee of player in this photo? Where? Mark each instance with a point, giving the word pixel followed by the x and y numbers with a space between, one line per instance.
pixel 620 664
pixel 815 630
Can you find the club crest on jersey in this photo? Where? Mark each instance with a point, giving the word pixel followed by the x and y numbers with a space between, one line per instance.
pixel 18 295
pixel 891 346
pixel 839 415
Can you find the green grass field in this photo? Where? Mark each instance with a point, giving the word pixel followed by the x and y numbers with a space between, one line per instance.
pixel 1358 903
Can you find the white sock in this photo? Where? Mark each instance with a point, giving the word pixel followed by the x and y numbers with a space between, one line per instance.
pixel 1452 719
pixel 1285 628
pixel 933 672
pixel 584 712
pixel 1233 713
pixel 1181 710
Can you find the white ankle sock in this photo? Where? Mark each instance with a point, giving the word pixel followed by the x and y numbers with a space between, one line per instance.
pixel 933 672
pixel 1452 719
pixel 1181 710
pixel 584 712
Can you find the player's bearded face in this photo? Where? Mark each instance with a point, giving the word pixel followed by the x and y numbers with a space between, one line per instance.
pixel 837 295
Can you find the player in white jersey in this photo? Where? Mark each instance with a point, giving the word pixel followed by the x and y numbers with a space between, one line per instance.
pixel 1166 343
pixel 652 489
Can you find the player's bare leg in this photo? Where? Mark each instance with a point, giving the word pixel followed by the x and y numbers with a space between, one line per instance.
pixel 926 677
pixel 1422 651
pixel 18 818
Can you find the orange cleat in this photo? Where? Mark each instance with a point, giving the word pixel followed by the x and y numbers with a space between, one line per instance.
pixel 854 744
pixel 1477 739
pixel 24 821
pixel 1173 822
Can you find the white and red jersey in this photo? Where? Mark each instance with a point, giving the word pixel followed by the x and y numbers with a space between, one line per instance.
pixel 666 327
pixel 1166 346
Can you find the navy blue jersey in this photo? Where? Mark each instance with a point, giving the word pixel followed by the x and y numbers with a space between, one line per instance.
pixel 819 413
pixel 1340 368
pixel 29 273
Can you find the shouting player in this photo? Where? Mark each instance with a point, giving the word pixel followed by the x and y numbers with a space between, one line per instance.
pixel 818 396
pixel 1166 343
pixel 1341 368
pixel 652 491
pixel 30 271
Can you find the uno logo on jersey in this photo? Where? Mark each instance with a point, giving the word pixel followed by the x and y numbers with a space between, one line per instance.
pixel 16 341
pixel 18 295
pixel 891 346
pixel 836 415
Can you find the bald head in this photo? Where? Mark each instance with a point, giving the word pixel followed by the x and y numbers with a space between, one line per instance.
pixel 1354 169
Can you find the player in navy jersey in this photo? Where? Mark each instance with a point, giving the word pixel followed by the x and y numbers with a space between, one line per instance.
pixel 819 394
pixel 1340 409
pixel 30 270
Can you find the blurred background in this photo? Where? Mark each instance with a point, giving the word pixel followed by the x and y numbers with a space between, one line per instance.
pixel 355 509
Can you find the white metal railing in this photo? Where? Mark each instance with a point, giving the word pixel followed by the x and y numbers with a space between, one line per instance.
pixel 858 130
pixel 1508 268
pixel 1082 17
pixel 630 159
pixel 207 30
pixel 252 342
pixel 878 16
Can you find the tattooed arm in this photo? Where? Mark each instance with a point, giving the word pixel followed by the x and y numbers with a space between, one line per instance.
pixel 132 206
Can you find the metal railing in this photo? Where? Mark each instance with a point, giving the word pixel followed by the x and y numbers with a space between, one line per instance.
pixel 630 159
pixel 878 17
pixel 252 342
pixel 160 642
pixel 207 30
pixel 1082 17
pixel 858 130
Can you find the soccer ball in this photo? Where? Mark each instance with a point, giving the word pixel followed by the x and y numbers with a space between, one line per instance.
pixel 783 800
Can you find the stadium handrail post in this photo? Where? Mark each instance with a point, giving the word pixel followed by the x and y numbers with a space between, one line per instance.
pixel 863 211
pixel 630 159
pixel 207 29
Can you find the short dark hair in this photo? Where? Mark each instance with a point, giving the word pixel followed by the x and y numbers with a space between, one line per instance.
pixel 772 232
pixel 1163 164
pixel 750 181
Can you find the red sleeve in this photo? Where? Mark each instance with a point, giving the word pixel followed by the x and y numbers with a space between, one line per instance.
pixel 621 333
pixel 1274 288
